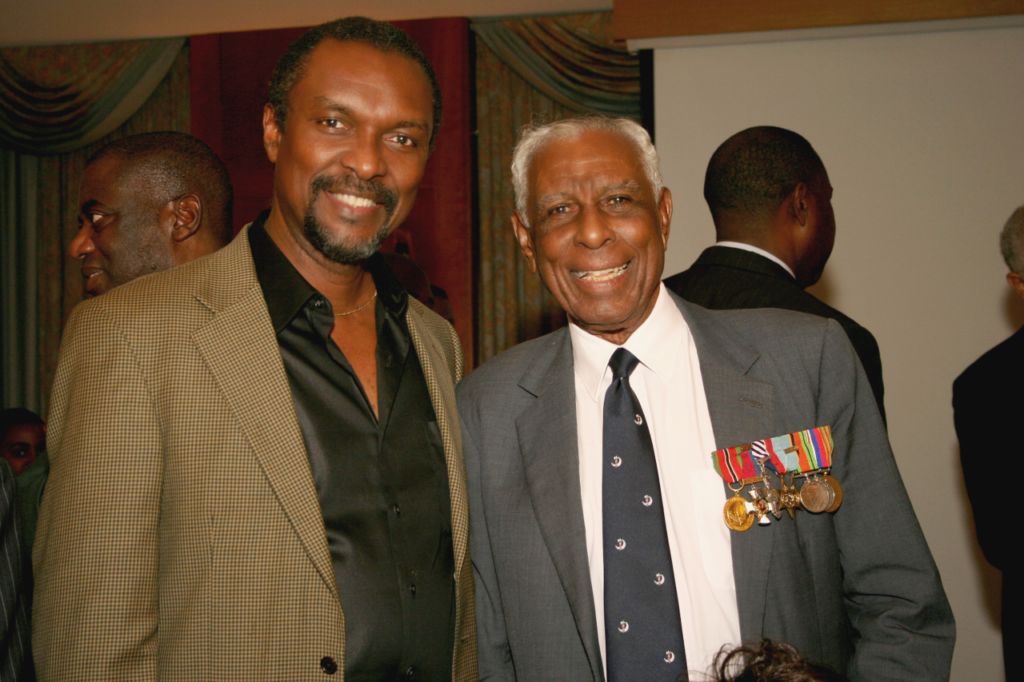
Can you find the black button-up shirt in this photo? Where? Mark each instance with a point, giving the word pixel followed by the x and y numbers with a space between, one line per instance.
pixel 382 481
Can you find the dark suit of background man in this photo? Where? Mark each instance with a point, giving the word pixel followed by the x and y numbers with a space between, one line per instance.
pixel 988 404
pixel 147 203
pixel 771 201
pixel 857 589
pixel 256 463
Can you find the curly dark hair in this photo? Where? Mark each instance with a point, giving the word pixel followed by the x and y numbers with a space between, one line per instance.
pixel 770 662
pixel 381 35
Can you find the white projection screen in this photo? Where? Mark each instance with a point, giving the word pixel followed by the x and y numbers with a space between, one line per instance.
pixel 923 138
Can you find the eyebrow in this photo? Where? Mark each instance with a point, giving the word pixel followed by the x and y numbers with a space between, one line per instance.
pixel 334 107
pixel 632 185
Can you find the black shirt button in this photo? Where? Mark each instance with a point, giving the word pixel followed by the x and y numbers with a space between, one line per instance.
pixel 412 589
pixel 328 665
pixel 409 673
pixel 396 509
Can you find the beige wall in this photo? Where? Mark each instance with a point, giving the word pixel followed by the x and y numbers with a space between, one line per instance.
pixel 923 137
pixel 32 22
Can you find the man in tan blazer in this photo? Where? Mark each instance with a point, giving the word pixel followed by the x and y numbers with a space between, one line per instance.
pixel 256 461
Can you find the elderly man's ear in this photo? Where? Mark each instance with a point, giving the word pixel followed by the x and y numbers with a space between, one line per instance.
pixel 525 239
pixel 665 213
pixel 182 217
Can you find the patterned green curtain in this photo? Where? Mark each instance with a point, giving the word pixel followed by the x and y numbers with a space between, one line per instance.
pixel 49 184
pixel 537 69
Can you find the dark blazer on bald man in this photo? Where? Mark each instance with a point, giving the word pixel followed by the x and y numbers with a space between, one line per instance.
pixel 727 278
pixel 856 589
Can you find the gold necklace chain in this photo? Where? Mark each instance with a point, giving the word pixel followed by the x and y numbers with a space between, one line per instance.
pixel 353 312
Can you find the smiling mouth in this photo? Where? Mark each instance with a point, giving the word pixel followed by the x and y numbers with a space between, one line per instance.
pixel 354 201
pixel 600 275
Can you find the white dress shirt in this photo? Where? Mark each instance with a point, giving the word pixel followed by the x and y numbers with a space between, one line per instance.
pixel 761 252
pixel 668 384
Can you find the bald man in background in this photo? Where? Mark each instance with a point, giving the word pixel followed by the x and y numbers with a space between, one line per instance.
pixel 771 202
pixel 147 203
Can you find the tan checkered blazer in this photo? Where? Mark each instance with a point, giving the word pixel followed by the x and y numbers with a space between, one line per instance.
pixel 180 535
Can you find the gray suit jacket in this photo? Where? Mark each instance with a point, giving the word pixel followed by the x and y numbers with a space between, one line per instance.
pixel 857 589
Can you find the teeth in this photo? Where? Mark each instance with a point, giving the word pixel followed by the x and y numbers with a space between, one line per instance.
pixel 601 275
pixel 353 200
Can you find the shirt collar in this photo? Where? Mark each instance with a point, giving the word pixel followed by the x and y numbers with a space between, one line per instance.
pixel 287 292
pixel 761 252
pixel 655 344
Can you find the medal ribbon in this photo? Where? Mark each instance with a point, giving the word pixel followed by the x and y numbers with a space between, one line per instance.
pixel 808 450
pixel 734 464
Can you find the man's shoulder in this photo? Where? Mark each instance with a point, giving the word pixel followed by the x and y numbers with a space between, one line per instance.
pixel 996 367
pixel 504 371
pixel 725 278
pixel 166 297
pixel 758 324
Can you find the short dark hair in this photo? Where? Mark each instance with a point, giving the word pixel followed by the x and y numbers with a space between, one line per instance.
pixel 381 35
pixel 16 416
pixel 173 164
pixel 756 169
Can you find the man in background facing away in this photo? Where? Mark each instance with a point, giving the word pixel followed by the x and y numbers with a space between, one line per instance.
pixel 987 408
pixel 256 463
pixel 771 202
pixel 147 203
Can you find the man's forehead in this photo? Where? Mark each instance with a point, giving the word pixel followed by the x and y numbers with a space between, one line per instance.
pixel 100 180
pixel 599 159
pixel 334 59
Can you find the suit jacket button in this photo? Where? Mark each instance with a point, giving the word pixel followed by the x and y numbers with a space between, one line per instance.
pixel 328 665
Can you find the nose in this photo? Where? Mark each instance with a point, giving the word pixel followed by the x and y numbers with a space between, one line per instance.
pixel 365 157
pixel 82 244
pixel 593 230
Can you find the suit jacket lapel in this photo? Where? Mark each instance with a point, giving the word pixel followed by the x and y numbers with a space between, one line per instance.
pixel 442 396
pixel 549 446
pixel 742 410
pixel 240 348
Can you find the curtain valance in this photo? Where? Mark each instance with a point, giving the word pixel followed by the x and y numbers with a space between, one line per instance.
pixel 56 99
pixel 571 58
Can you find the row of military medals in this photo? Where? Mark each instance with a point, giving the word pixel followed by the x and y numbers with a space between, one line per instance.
pixel 803 455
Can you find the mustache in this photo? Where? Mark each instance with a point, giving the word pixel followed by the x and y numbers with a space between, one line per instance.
pixel 350 184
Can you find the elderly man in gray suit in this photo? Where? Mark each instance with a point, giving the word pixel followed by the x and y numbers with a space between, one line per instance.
pixel 597 532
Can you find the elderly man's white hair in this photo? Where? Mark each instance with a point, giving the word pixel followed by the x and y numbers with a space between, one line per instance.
pixel 1011 242
pixel 535 137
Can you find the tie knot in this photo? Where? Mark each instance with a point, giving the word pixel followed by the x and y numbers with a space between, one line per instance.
pixel 622 363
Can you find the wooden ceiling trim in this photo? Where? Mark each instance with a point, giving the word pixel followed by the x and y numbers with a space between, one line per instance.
pixel 632 19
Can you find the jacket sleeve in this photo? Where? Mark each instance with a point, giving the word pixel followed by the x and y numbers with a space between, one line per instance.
pixel 903 625
pixel 96 552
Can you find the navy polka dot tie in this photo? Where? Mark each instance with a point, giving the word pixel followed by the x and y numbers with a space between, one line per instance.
pixel 643 635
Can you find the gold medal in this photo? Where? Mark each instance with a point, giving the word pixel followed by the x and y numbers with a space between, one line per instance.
pixel 736 515
pixel 837 489
pixel 816 496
